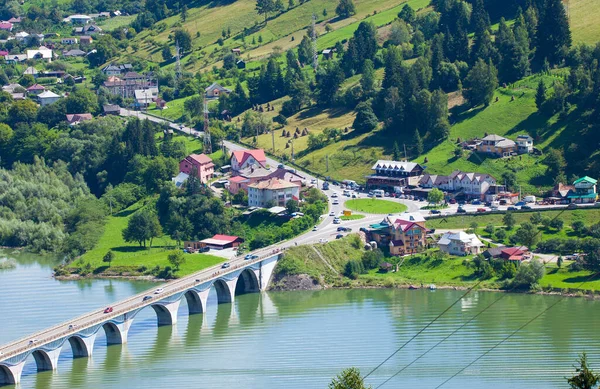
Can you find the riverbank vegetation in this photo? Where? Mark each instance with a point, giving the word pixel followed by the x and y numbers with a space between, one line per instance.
pixel 345 263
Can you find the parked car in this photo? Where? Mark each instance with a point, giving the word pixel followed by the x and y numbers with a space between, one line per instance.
pixel 353 195
pixel 512 208
pixel 339 236
pixel 526 207
pixel 461 210
pixel 334 195
pixel 280 166
pixel 313 181
pixel 435 211
pixel 331 213
pixel 315 228
pixel 572 206
pixel 146 298
pixel 494 207
pixel 336 221
pixel 476 202
pixel 204 249
pixel 108 310
pixel 520 203
pixel 323 240
pixel 158 291
pixel 225 265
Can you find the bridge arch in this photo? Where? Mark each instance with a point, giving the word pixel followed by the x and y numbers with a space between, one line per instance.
pixel 165 315
pixel 82 347
pixel 247 282
pixel 113 333
pixel 43 360
pixel 6 376
pixel 224 293
pixel 194 302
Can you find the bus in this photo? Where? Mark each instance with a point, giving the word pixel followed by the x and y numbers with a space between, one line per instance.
pixel 378 193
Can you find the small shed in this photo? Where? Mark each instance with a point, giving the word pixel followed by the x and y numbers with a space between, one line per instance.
pixel 241 64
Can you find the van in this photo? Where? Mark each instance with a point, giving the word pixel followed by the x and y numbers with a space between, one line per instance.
pixel 378 193
pixel 495 204
pixel 529 199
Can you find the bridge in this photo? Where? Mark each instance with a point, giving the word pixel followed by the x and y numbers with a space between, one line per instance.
pixel 243 276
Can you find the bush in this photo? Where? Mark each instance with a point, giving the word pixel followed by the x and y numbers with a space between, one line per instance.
pixel 353 269
pixel 372 259
pixel 529 274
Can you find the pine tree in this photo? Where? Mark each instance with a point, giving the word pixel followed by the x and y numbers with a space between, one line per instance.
pixel 480 83
pixel 483 48
pixel 365 120
pixel 291 4
pixel 540 95
pixel 553 35
pixel 367 81
pixel 396 152
pixel 480 19
pixel 184 10
pixel 418 143
pixel 265 7
pixel 305 51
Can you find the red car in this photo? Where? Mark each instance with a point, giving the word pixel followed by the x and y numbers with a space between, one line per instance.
pixel 480 209
pixel 108 310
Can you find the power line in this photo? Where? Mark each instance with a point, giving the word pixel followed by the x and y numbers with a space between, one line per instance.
pixel 423 329
pixel 436 318
pixel 512 334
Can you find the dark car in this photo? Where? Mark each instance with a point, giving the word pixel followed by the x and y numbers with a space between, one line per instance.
pixel 435 211
pixel 341 229
pixel 526 207
pixel 488 203
pixel 225 265
pixel 204 249
pixel 476 202
pixel 461 210
pixel 339 236
pixel 108 310
pixel 280 166
pixel 520 203
pixel 513 208
pixel 146 298
pixel 363 229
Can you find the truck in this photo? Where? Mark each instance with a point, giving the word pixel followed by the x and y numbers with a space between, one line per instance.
pixel 529 199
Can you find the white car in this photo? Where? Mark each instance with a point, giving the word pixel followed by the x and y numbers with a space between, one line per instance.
pixel 323 240
pixel 159 290
pixel 315 228
pixel 313 181
pixel 336 221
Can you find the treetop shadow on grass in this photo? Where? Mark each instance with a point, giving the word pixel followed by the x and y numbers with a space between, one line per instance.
pixel 460 113
pixel 582 278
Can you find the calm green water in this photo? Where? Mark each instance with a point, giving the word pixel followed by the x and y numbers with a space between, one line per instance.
pixel 302 339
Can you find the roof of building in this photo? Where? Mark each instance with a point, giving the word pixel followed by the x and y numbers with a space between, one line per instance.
pixel 237 179
pixel 524 136
pixel 493 252
pixel 461 236
pixel 11 87
pixel 85 38
pixel 221 240
pixel 285 174
pixel 21 34
pixel 586 179
pixel 111 108
pixel 395 165
pixel 216 85
pixel 79 117
pixel 277 210
pixel 202 159
pixel 242 155
pixel 6 26
pixel 47 94
pixel 35 87
pixel 74 53
pixel 44 52
pixel 510 251
pixel 396 243
pixel 272 184
pixel 506 143
pixel 494 138
pixel 179 179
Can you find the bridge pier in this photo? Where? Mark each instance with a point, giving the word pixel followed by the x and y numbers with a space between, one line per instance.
pixel 11 375
pixel 166 312
pixel 46 360
pixel 265 272
pixel 82 346
pixel 117 333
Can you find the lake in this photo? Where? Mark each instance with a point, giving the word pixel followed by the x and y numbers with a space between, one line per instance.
pixel 302 339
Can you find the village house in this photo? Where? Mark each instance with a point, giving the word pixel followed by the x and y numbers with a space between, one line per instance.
pixel 6 26
pixel 31 71
pixel 241 64
pixel 47 98
pixel 407 234
pixel 116 70
pixel 14 20
pixel 199 164
pixel 242 159
pixel 77 19
pixel 69 41
pixel 460 243
pixel 584 192
pixel 74 53
pixel 214 90
pixel 497 145
pixel 390 174
pixel 253 174
pixel 42 53
pixel 272 192
pixel 111 109
pixel 86 40
pixel 12 59
pixel 474 185
pixel 21 36
pixel 217 242
pixel 11 88
pixel 35 89
pixel 74 119
pixel 126 88
pixel 524 144
pixel 143 97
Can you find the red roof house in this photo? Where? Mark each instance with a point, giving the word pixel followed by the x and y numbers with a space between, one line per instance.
pixel 220 242
pixel 36 89
pixel 513 253
pixel 200 163
pixel 241 159
pixel 6 26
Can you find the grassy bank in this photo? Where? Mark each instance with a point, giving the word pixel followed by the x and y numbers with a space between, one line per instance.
pixel 375 206
pixel 326 262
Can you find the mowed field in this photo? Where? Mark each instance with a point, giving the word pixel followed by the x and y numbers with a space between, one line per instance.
pixel 584 17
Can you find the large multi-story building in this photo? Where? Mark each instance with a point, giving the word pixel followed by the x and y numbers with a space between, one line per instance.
pixel 199 164
pixel 390 174
pixel 497 145
pixel 272 192
pixel 584 192
pixel 407 234
pixel 470 184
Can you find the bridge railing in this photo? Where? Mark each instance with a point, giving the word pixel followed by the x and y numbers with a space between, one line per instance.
pixel 219 272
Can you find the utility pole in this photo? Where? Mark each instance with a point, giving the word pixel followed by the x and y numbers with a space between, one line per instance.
pixel 292 151
pixel 207 141
pixel 314 42
pixel 404 144
pixel 273 139
pixel 177 65
pixel 326 162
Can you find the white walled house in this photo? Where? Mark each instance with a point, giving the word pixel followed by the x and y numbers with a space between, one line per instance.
pixel 460 243
pixel 272 192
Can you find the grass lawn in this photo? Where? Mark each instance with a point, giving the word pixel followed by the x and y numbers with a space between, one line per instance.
pixel 588 216
pixel 352 217
pixel 584 16
pixel 564 279
pixel 116 22
pixel 129 256
pixel 375 206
